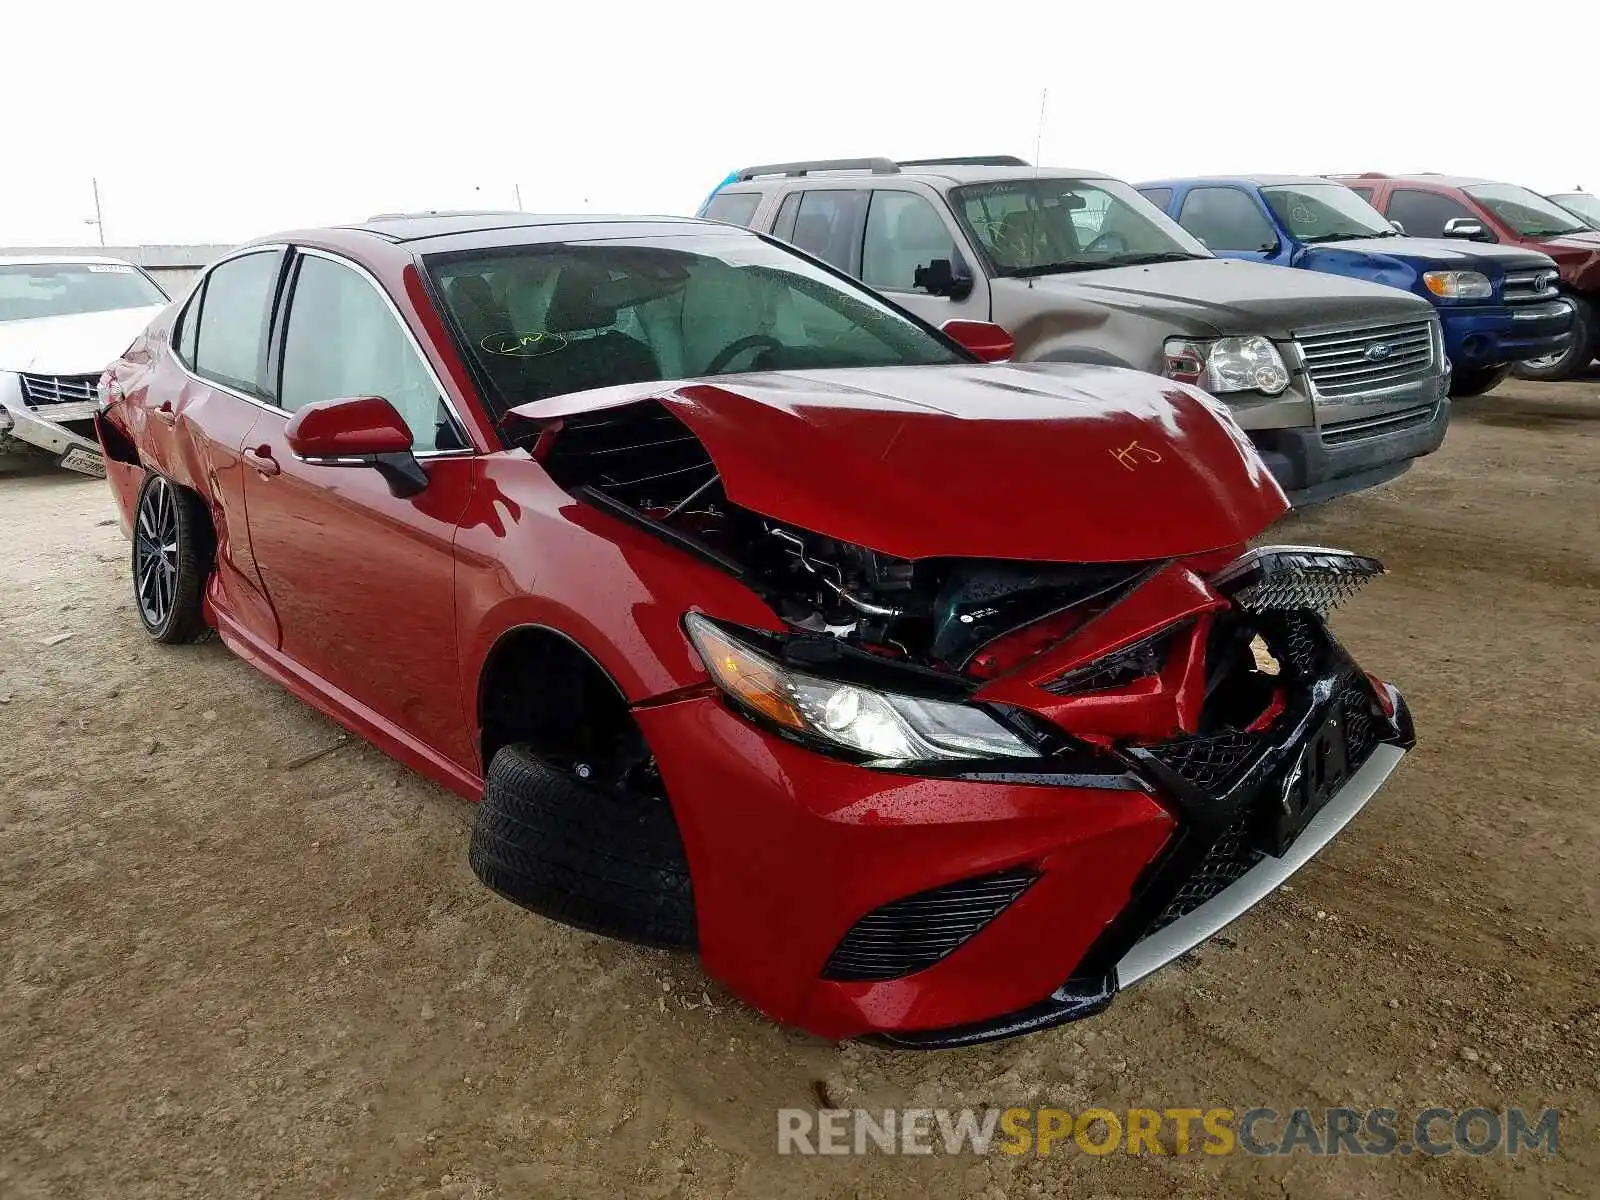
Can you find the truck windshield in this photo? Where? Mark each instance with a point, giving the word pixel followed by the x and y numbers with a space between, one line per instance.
pixel 1049 225
pixel 1585 204
pixel 1528 213
pixel 31 290
pixel 1325 212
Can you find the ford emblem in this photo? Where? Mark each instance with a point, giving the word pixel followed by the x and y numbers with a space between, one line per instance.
pixel 1378 351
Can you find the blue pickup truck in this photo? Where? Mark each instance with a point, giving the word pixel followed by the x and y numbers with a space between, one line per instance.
pixel 1498 304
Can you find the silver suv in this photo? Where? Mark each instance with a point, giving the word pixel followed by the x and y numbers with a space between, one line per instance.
pixel 1341 384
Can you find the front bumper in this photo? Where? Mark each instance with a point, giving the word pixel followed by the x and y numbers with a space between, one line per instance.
pixel 791 850
pixel 56 429
pixel 1336 458
pixel 1493 336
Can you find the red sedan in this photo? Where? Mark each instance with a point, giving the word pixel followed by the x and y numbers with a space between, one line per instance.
pixel 926 696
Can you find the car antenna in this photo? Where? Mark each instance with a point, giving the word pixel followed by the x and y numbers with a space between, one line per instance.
pixel 1038 141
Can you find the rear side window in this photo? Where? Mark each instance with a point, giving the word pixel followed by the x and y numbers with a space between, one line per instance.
pixel 736 208
pixel 1424 213
pixel 904 232
pixel 783 227
pixel 1224 218
pixel 828 226
pixel 188 327
pixel 231 341
pixel 1160 197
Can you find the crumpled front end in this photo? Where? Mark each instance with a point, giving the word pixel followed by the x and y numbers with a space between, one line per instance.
pixel 53 414
pixel 944 798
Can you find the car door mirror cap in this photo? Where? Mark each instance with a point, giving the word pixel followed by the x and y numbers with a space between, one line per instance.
pixel 1464 227
pixel 357 431
pixel 984 340
pixel 1398 228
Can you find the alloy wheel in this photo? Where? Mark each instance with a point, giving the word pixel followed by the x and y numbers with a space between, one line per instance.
pixel 155 552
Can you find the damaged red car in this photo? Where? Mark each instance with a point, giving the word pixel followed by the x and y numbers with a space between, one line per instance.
pixel 926 696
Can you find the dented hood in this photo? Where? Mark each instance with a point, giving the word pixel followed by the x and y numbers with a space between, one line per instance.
pixel 1060 463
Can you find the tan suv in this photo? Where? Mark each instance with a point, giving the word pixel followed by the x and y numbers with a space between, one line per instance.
pixel 1341 384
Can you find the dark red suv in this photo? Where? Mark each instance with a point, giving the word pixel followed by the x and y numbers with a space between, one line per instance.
pixel 926 696
pixel 1481 210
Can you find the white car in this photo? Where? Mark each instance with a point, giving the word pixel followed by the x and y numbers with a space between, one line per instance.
pixel 61 321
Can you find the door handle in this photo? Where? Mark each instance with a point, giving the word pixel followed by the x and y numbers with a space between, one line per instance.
pixel 261 459
pixel 168 417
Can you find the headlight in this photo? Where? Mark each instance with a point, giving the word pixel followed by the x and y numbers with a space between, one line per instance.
pixel 880 724
pixel 1230 364
pixel 1458 285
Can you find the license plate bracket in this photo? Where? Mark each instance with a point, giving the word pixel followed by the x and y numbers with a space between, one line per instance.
pixel 1320 769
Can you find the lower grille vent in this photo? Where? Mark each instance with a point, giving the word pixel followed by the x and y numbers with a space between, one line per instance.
pixel 917 931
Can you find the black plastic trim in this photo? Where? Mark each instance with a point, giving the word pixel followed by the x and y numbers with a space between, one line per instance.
pixel 1072 1001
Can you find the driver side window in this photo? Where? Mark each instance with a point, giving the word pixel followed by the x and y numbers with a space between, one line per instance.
pixel 1226 219
pixel 904 232
pixel 342 339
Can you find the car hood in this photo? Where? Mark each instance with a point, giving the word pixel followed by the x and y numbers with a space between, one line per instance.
pixel 76 344
pixel 1220 296
pixel 1449 254
pixel 1055 463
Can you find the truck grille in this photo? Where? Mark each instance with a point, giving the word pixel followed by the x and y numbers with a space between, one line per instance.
pixel 1348 362
pixel 1530 287
pixel 58 389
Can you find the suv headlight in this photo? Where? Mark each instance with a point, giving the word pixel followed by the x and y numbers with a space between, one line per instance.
pixel 1458 285
pixel 869 721
pixel 1230 364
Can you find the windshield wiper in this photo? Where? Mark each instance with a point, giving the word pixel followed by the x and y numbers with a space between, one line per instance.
pixel 1347 237
pixel 1060 268
pixel 1550 232
pixel 1159 256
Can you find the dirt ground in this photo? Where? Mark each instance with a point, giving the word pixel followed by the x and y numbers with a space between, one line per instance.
pixel 226 975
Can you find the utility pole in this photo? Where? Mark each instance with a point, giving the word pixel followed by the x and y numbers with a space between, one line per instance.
pixel 97 220
pixel 517 188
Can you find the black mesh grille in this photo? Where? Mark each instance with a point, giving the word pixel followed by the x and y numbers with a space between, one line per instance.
pixel 917 931
pixel 1224 864
pixel 1209 763
pixel 1361 729
pixel 1304 648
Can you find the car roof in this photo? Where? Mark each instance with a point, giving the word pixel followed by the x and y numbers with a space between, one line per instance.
pixel 1235 180
pixel 528 227
pixel 952 173
pixel 1422 177
pixel 49 260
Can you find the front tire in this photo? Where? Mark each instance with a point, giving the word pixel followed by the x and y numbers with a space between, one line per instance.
pixel 587 845
pixel 1573 361
pixel 1475 381
pixel 172 553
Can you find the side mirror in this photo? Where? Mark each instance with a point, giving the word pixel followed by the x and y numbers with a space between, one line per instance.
pixel 1398 228
pixel 939 278
pixel 1463 227
pixel 981 339
pixel 358 431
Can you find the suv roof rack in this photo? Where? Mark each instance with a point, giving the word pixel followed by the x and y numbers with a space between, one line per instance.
pixel 968 160
pixel 878 166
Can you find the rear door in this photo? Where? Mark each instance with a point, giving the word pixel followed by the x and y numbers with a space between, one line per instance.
pixel 220 342
pixel 362 580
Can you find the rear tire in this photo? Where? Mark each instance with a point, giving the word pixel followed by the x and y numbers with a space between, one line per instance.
pixel 173 549
pixel 1575 361
pixel 601 856
pixel 1475 381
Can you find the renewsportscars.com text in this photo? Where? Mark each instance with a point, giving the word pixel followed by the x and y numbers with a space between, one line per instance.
pixel 1180 1131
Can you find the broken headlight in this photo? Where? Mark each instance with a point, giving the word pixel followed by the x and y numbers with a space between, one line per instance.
pixel 1295 577
pixel 866 720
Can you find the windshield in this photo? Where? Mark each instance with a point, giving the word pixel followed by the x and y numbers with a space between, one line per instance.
pixel 1041 226
pixel 61 289
pixel 545 320
pixel 1528 213
pixel 1585 204
pixel 1325 212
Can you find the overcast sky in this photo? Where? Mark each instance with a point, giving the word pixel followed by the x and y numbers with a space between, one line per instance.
pixel 225 120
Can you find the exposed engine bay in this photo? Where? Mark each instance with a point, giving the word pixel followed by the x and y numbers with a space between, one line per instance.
pixel 949 614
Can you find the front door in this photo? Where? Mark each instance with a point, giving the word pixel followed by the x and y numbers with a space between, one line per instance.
pixel 363 581
pixel 904 234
